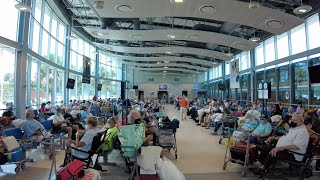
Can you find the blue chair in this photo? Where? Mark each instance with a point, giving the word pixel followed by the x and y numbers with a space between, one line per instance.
pixel 95 112
pixel 47 125
pixel 284 112
pixel 15 132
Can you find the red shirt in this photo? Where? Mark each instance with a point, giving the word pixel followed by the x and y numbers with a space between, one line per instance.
pixel 184 103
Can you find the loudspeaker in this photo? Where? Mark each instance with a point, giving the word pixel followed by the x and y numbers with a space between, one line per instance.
pixel 123 89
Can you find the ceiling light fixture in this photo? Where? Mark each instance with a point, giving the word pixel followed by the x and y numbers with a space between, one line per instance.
pixel 158 62
pixel 254 4
pixel 229 54
pixel 165 67
pixel 254 39
pixel 207 9
pixel 171 36
pixel 168 52
pixel 99 33
pixel 124 8
pixel 23 7
pixel 71 37
pixel 193 36
pixel 176 1
pixel 274 23
pixel 166 61
pixel 99 4
pixel 302 9
pixel 136 36
pixel 164 71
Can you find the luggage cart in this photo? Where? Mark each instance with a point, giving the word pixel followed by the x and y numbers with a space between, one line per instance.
pixel 228 158
pixel 227 121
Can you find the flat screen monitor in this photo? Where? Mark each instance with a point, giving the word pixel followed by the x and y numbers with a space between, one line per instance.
pixel 221 86
pixel 70 83
pixel 163 87
pixel 99 87
pixel 135 87
pixel 313 74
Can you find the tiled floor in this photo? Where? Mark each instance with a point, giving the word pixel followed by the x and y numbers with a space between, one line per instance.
pixel 200 157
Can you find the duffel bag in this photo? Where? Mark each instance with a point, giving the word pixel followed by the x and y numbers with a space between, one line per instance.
pixel 239 152
pixel 75 170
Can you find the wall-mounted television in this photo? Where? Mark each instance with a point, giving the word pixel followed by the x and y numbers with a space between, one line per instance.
pixel 70 83
pixel 135 87
pixel 313 74
pixel 99 87
pixel 222 87
pixel 163 87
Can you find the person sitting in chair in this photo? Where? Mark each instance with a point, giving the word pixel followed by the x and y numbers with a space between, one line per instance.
pixel 9 113
pixel 296 140
pixel 33 128
pixel 60 124
pixel 109 137
pixel 85 142
pixel 262 131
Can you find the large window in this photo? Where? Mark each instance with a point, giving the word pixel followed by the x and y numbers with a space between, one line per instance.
pixel 298 39
pixel 269 48
pixel 259 55
pixel 282 45
pixel 8 19
pixel 284 84
pixel 7 60
pixel 313 31
pixel 301 93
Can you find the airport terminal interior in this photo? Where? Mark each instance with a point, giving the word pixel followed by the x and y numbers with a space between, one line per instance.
pixel 159 89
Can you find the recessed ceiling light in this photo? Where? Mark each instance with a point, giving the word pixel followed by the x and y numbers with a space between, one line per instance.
pixel 254 39
pixel 168 52
pixel 136 36
pixel 207 9
pixel 302 9
pixel 171 36
pixel 71 37
pixel 164 71
pixel 229 54
pixel 166 61
pixel 214 63
pixel 274 23
pixel 158 62
pixel 165 67
pixel 124 8
pixel 193 36
pixel 99 4
pixel 176 1
pixel 23 7
pixel 99 33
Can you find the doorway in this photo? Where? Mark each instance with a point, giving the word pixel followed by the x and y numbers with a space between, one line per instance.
pixel 141 95
pixel 163 95
pixel 185 93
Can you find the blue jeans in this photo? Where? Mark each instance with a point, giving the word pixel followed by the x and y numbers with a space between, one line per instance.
pixel 216 126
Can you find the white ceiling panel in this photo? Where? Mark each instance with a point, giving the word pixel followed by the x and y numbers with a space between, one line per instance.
pixel 165 58
pixel 166 65
pixel 164 50
pixel 179 34
pixel 223 10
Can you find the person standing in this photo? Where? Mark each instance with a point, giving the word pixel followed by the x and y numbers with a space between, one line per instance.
pixel 184 108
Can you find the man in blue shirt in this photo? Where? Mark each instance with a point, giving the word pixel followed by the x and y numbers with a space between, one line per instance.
pixel 33 128
pixel 202 100
pixel 262 131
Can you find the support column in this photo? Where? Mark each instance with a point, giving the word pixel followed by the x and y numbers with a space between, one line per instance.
pixel 21 64
pixel 67 65
pixel 96 72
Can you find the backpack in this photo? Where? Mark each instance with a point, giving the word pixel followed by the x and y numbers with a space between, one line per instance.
pixel 98 140
pixel 75 169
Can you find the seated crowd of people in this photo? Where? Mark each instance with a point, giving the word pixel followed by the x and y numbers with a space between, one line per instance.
pixel 279 131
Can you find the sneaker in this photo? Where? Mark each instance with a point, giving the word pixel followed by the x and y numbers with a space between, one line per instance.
pixel 198 124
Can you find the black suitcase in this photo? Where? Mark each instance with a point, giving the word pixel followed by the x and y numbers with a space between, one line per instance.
pixel 188 112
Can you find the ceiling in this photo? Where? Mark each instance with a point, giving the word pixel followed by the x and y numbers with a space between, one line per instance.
pixel 183 38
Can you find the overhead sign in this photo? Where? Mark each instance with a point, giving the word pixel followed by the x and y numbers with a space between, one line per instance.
pixel 263 90
pixel 234 74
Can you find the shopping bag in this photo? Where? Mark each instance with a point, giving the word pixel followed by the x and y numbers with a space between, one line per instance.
pixel 166 170
pixel 132 136
pixel 10 143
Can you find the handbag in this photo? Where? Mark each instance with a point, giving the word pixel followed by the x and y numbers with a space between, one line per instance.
pixel 10 143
